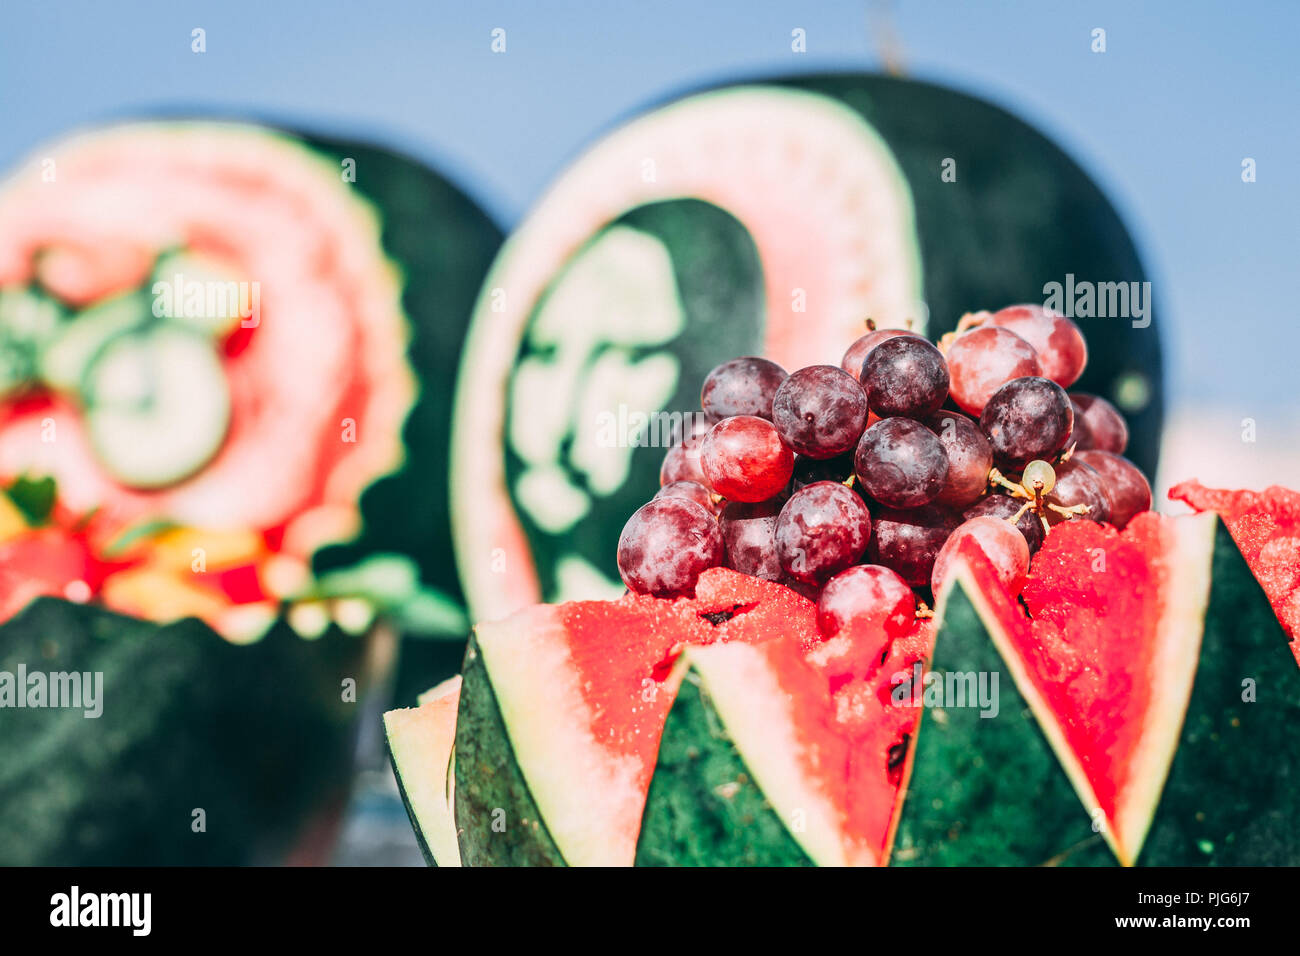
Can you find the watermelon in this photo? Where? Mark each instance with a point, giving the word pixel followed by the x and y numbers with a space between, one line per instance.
pixel 838 183
pixel 420 743
pixel 1144 673
pixel 568 768
pixel 1266 528
pixel 309 520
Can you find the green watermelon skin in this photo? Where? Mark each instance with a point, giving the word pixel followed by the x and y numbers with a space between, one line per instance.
pixel 1233 792
pixel 1020 214
pixel 704 808
pixel 258 736
pixel 496 816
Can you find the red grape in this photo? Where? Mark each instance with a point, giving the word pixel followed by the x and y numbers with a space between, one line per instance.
pixel 868 597
pixel 901 463
pixel 1126 488
pixel 820 411
pixel 743 386
pixel 749 532
pixel 744 460
pixel 689 489
pixel 857 352
pixel 1027 418
pixel 666 545
pixel 1078 483
pixel 907 541
pixel 1000 542
pixel 905 375
pixel 821 530
pixel 1062 352
pixel 970 458
pixel 984 359
pixel 1004 506
pixel 682 462
pixel 1106 428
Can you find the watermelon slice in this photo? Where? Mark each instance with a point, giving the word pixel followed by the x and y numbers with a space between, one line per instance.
pixel 1138 655
pixel 1266 527
pixel 421 742
pixel 782 753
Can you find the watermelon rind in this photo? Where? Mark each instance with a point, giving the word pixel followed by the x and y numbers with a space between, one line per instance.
pixel 985 791
pixel 189 722
pixel 497 819
pixel 421 745
pixel 1231 797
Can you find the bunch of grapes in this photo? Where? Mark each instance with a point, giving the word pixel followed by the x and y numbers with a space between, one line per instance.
pixel 850 482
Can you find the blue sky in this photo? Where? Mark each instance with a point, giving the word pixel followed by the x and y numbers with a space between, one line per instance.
pixel 1162 119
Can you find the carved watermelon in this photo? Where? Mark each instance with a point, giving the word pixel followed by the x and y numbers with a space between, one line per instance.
pixel 216 462
pixel 765 219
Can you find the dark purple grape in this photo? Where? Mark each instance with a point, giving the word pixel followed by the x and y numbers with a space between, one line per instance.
pixel 682 463
pixel 907 542
pixel 857 353
pixel 820 411
pixel 823 529
pixel 900 462
pixel 743 386
pixel 808 470
pixel 744 459
pixel 1078 484
pixel 666 545
pixel 1081 435
pixel 1004 506
pixel 1106 428
pixel 689 489
pixel 1027 418
pixel 905 375
pixel 1127 489
pixel 749 531
pixel 970 458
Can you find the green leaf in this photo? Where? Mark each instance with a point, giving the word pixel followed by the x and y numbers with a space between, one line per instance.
pixel 34 497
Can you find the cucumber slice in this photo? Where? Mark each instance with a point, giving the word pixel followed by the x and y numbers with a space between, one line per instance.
pixel 157 405
pixel 200 292
pixel 28 320
pixel 65 360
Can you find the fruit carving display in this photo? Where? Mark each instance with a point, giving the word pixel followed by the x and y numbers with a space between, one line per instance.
pixel 868 622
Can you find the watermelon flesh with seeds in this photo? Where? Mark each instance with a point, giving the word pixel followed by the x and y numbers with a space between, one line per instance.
pixel 583 690
pixel 1103 639
pixel 1266 528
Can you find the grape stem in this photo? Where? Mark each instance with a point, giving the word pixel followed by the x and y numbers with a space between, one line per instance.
pixel 997 478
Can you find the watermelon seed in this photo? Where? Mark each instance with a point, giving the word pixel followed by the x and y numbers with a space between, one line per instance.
pixel 718 617
pixel 897 752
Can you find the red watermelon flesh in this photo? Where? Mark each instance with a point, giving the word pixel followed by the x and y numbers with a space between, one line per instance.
pixel 1100 641
pixel 584 691
pixel 1266 528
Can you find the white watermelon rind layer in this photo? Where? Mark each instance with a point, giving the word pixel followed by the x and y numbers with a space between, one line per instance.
pixel 1186 596
pixel 422 740
pixel 745 149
